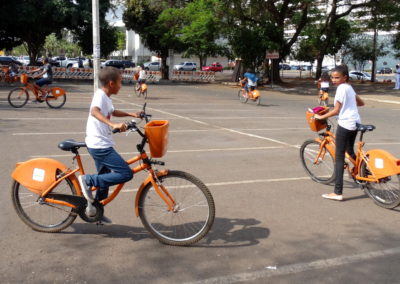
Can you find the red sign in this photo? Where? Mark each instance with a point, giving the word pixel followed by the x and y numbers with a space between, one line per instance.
pixel 272 54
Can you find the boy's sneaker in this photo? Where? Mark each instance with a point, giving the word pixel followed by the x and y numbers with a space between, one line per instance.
pixel 87 192
pixel 106 220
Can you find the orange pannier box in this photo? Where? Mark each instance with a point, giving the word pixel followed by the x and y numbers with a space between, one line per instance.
pixel 157 134
pixel 315 124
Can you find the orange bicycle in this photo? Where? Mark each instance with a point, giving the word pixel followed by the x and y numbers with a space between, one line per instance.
pixel 174 206
pixel 7 77
pixel 141 90
pixel 376 171
pixel 244 96
pixel 54 97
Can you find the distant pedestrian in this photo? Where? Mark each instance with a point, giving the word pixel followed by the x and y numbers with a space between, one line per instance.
pixel 397 78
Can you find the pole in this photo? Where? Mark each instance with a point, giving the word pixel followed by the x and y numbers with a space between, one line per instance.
pixel 96 44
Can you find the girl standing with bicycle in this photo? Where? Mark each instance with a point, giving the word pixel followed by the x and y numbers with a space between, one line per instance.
pixel 345 106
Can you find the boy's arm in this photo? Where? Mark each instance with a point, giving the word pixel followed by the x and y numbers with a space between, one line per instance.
pixel 120 113
pixel 95 111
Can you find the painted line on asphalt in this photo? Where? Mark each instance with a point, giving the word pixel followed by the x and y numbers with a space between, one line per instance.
pixel 273 270
pixel 243 182
pixel 382 101
pixel 171 131
pixel 176 151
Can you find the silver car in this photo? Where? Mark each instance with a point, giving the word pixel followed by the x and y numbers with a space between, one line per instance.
pixel 186 66
pixel 152 66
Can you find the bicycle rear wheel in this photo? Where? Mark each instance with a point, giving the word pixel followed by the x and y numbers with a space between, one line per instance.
pixel 385 193
pixel 39 215
pixel 321 169
pixel 145 94
pixel 194 214
pixel 18 97
pixel 56 102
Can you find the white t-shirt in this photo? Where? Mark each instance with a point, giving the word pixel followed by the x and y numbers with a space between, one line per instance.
pixel 142 75
pixel 348 115
pixel 324 84
pixel 98 134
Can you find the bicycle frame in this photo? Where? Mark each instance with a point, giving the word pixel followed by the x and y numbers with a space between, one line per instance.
pixel 23 171
pixel 383 165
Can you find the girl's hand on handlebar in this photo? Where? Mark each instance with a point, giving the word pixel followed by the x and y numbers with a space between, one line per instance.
pixel 317 116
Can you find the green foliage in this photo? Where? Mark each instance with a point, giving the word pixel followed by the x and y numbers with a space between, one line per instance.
pixel 121 42
pixel 359 50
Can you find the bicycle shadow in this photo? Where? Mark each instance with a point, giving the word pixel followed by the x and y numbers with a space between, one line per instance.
pixel 224 233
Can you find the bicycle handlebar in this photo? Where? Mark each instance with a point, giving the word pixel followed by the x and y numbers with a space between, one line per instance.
pixel 131 125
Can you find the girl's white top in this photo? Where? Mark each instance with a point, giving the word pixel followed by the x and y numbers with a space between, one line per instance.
pixel 348 115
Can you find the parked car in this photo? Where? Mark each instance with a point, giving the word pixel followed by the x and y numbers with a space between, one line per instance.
pixel 359 75
pixel 83 64
pixel 186 66
pixel 216 67
pixel 114 63
pixel 128 63
pixel 152 66
pixel 52 62
pixel 7 60
pixel 284 66
pixel 65 61
pixel 24 60
pixel 384 70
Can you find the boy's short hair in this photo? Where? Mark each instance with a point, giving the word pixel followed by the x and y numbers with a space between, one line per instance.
pixel 108 74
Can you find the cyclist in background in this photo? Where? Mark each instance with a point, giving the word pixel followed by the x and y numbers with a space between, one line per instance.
pixel 250 79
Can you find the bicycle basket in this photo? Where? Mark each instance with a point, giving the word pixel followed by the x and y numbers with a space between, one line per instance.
pixel 315 124
pixel 24 78
pixel 157 135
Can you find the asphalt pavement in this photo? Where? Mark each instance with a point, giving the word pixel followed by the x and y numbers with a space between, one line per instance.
pixel 271 226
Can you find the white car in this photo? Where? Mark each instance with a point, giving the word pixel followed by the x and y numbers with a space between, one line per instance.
pixel 152 66
pixel 186 66
pixel 85 63
pixel 359 75
pixel 24 60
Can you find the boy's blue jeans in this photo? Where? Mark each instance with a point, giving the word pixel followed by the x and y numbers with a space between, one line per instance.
pixel 111 168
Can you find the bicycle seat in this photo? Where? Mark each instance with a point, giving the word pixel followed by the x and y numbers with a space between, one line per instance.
pixel 366 127
pixel 71 145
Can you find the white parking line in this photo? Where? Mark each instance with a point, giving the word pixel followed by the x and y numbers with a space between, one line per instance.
pixel 177 151
pixel 274 270
pixel 243 182
pixel 382 101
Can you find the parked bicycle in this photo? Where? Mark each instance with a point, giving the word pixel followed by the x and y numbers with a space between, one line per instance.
pixel 376 171
pixel 244 96
pixel 174 206
pixel 54 97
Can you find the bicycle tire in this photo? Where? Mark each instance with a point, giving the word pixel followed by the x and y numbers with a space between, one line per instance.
pixel 18 94
pixel 324 171
pixel 56 102
pixel 242 98
pixel 187 226
pixel 386 193
pixel 145 94
pixel 33 212
pixel 137 92
pixel 258 101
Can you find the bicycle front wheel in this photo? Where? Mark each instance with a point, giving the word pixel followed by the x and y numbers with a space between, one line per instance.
pixel 40 215
pixel 145 94
pixel 18 97
pixel 320 168
pixel 385 192
pixel 56 102
pixel 242 96
pixel 192 216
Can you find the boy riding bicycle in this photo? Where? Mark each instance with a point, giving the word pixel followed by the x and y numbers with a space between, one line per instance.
pixel 46 72
pixel 112 168
pixel 250 79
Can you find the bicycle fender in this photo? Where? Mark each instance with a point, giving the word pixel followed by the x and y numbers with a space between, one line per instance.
pixel 39 174
pixel 382 164
pixel 255 94
pixel 144 87
pixel 142 186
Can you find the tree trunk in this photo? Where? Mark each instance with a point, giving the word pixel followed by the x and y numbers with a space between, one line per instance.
pixel 164 67
pixel 374 44
pixel 276 75
pixel 318 72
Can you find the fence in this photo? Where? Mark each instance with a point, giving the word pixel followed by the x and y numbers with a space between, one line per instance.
pixel 127 75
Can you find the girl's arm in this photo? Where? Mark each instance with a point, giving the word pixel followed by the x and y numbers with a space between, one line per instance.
pixel 333 112
pixel 359 101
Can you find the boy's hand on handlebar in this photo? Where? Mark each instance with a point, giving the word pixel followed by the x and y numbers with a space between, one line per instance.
pixel 120 126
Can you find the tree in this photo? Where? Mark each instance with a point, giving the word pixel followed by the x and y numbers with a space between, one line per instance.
pixel 267 21
pixel 141 16
pixel 196 27
pixel 31 21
